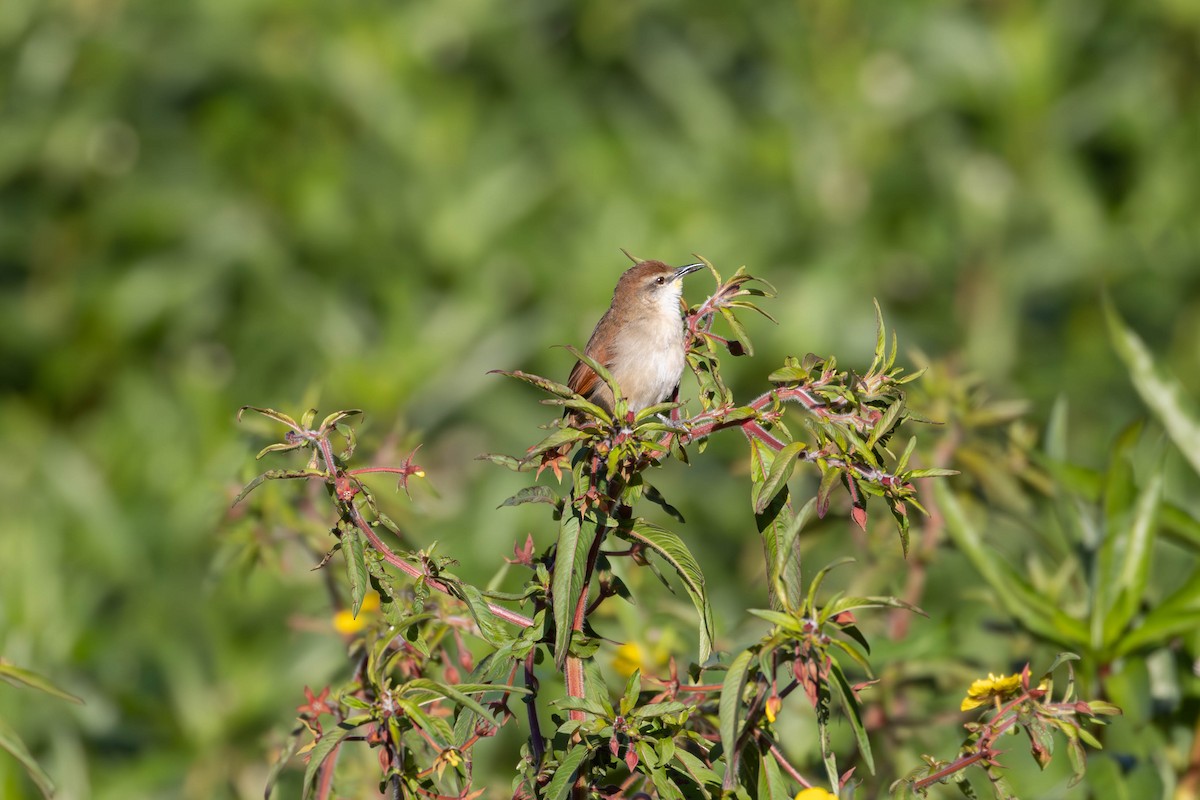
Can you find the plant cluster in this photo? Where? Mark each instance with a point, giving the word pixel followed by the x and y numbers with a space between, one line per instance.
pixel 444 664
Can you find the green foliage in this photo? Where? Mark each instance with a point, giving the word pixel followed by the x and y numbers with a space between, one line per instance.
pixel 655 741
pixel 10 742
pixel 206 204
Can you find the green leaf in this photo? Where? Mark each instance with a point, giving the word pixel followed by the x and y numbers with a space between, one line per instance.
pixel 779 526
pixel 490 628
pixel 844 604
pixel 663 709
pixel 1176 614
pixel 278 416
pixel 786 565
pixel 570 564
pixel 337 416
pixel 696 769
pixel 633 688
pixel 853 713
pixel 788 374
pixel 885 424
pixel 671 549
pixel 931 472
pixel 12 744
pixel 739 333
pixel 778 619
pixel 564 774
pixel 810 603
pixel 1134 570
pixel 771 785
pixel 515 464
pixel 533 494
pixel 1037 613
pixel 356 567
pixel 325 746
pixel 829 478
pixel 655 496
pixel 23 677
pixel 1163 394
pixel 729 713
pixel 451 693
pixel 555 440
pixel 545 384
pixel 880 339
pixel 781 470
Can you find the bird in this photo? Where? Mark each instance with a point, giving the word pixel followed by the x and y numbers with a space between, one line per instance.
pixel 639 340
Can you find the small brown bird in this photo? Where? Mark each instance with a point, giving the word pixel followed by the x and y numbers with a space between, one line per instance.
pixel 639 339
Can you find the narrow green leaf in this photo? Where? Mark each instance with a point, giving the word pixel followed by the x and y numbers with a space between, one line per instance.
pixel 570 563
pixel 564 774
pixel 781 470
pixel 739 332
pixel 786 562
pixel 729 713
pixel 885 424
pixel 556 439
pixel 653 710
pixel 655 496
pixel 1017 597
pixel 810 603
pixel 12 744
pixel 582 704
pixel 778 525
pixel 278 416
pixel 844 604
pixel 1055 438
pixel 325 747
pixel 771 785
pixel 515 464
pixel 696 769
pixel 671 549
pixel 829 478
pixel 779 619
pixel 280 447
pixel 932 472
pixel 1163 394
pixel 1177 613
pixel 1134 570
pixel 490 628
pixel 337 416
pixel 750 307
pixel 356 567
pixel 451 693
pixel 788 375
pixel 853 713
pixel 23 677
pixel 545 384
pixel 533 494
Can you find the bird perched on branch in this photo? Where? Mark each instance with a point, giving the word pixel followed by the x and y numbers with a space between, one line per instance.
pixel 639 340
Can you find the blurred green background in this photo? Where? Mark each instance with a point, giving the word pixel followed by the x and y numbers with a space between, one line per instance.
pixel 215 203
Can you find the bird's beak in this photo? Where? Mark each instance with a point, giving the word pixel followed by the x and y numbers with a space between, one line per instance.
pixel 688 270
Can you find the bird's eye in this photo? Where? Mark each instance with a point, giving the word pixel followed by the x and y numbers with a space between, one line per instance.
pixel 660 280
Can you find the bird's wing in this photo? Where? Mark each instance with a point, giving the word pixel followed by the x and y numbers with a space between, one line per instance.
pixel 583 379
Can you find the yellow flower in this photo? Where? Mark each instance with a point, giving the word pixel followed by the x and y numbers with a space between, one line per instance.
pixel 815 793
pixel 774 703
pixel 985 690
pixel 447 758
pixel 629 657
pixel 347 624
pixel 632 655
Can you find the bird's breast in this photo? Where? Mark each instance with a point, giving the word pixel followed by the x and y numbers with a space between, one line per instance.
pixel 649 359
